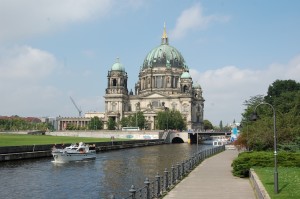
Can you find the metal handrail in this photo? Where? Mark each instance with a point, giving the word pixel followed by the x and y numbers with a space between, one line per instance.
pixel 163 183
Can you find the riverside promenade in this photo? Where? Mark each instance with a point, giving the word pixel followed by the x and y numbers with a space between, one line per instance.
pixel 213 179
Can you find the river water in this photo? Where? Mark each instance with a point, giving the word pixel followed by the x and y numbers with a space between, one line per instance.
pixel 112 173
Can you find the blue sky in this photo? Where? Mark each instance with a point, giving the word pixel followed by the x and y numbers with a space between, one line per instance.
pixel 52 49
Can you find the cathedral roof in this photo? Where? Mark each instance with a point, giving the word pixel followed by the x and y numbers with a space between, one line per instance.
pixel 197 85
pixel 164 55
pixel 117 66
pixel 185 75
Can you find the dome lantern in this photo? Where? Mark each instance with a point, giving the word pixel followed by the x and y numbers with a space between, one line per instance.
pixel 164 55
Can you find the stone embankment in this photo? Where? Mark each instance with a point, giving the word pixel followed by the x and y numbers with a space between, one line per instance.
pixel 38 151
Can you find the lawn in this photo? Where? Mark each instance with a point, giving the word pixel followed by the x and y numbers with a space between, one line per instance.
pixel 19 140
pixel 288 181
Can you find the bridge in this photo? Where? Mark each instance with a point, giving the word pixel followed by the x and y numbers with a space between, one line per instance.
pixel 191 136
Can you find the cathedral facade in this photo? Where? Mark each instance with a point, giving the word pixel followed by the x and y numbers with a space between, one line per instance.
pixel 164 82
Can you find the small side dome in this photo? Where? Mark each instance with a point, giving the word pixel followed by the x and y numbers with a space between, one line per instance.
pixel 185 75
pixel 196 85
pixel 117 66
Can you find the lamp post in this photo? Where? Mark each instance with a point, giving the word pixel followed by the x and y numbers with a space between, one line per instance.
pixel 197 139
pixel 254 117
pixel 167 112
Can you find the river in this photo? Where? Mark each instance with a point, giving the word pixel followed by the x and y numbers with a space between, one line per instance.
pixel 113 172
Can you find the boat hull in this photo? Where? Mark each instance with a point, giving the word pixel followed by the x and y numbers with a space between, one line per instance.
pixel 63 157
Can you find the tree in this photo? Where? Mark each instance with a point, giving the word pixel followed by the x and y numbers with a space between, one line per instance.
pixel 125 121
pixel 95 124
pixel 170 120
pixel 111 124
pixel 136 119
pixel 207 125
pixel 71 126
pixel 284 96
pixel 221 125
pixel 139 120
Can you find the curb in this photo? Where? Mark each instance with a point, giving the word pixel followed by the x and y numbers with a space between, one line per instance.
pixel 259 188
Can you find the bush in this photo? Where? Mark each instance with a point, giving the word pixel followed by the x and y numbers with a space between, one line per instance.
pixel 242 164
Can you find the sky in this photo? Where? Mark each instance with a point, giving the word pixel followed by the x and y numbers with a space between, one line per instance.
pixel 53 49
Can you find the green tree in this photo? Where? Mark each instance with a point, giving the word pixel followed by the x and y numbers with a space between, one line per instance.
pixel 125 121
pixel 284 96
pixel 71 126
pixel 139 120
pixel 207 125
pixel 111 124
pixel 221 125
pixel 136 119
pixel 95 123
pixel 170 120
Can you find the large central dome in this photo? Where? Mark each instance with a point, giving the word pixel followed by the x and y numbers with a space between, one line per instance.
pixel 164 56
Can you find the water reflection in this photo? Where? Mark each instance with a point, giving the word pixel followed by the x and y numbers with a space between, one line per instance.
pixel 112 172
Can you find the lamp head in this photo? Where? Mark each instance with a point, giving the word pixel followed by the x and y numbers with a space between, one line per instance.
pixel 254 116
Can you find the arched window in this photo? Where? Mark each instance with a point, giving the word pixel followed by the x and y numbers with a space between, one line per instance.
pixel 185 89
pixel 114 82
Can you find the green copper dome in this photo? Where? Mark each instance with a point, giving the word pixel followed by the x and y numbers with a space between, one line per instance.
pixel 185 75
pixel 117 66
pixel 196 85
pixel 164 56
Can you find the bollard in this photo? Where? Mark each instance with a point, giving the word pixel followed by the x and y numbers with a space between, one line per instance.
pixel 158 185
pixel 173 175
pixel 166 185
pixel 178 171
pixel 147 183
pixel 132 191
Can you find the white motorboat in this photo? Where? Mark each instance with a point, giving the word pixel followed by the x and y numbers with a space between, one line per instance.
pixel 74 152
pixel 219 140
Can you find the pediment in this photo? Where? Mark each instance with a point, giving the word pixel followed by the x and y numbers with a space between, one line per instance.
pixel 154 96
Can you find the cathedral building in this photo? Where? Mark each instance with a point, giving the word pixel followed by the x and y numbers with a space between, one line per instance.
pixel 164 82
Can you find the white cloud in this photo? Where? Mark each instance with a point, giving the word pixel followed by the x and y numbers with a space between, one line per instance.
pixel 25 62
pixel 225 89
pixel 27 18
pixel 26 85
pixel 23 80
pixel 193 18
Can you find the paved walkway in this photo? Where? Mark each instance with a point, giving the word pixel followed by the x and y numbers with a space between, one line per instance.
pixel 213 179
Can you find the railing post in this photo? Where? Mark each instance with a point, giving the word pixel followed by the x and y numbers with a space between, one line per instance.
pixel 166 179
pixel 178 171
pixel 132 191
pixel 173 175
pixel 158 185
pixel 147 183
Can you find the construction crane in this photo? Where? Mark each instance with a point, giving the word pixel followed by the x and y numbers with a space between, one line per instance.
pixel 78 109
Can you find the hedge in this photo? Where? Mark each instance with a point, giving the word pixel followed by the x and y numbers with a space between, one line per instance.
pixel 246 160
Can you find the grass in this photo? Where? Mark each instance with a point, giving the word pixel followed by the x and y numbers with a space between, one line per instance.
pixel 21 140
pixel 288 181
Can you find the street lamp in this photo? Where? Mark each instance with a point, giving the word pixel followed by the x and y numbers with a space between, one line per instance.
pixel 254 117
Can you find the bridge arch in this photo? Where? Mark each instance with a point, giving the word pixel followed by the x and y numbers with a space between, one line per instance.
pixel 177 140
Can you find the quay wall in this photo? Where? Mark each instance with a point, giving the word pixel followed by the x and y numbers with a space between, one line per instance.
pixel 135 135
pixel 37 151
